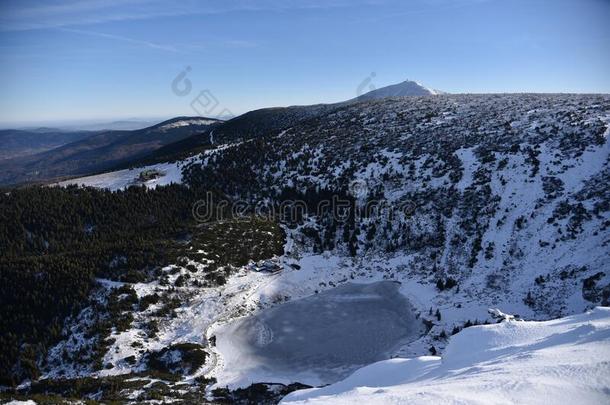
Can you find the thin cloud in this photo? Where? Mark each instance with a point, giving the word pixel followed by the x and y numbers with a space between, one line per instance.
pixel 241 43
pixel 120 38
pixel 16 17
pixel 79 13
pixel 71 7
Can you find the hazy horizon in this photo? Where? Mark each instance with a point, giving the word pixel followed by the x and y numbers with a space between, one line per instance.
pixel 81 124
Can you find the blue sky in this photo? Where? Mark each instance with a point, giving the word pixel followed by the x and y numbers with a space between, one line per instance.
pixel 72 59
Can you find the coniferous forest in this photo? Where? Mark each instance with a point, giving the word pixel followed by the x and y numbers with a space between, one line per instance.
pixel 54 242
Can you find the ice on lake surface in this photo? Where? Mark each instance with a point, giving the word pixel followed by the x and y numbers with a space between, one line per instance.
pixel 319 339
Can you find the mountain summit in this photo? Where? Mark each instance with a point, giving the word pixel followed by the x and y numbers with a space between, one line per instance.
pixel 406 88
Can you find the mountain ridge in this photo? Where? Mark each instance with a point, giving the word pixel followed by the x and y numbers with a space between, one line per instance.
pixel 116 149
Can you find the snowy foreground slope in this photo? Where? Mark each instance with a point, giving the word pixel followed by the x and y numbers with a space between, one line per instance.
pixel 554 362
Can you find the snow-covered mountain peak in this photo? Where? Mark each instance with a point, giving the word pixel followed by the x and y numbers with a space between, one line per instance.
pixel 406 88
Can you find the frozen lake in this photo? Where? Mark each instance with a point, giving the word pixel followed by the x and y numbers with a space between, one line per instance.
pixel 318 339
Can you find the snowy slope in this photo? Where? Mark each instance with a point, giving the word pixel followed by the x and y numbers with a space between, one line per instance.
pixel 511 202
pixel 168 173
pixel 187 122
pixel 560 361
pixel 506 195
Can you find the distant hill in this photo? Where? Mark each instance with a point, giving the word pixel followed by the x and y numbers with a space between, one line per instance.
pixel 99 151
pixel 121 125
pixel 15 143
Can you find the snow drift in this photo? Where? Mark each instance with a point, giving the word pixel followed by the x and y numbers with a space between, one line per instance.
pixel 561 361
